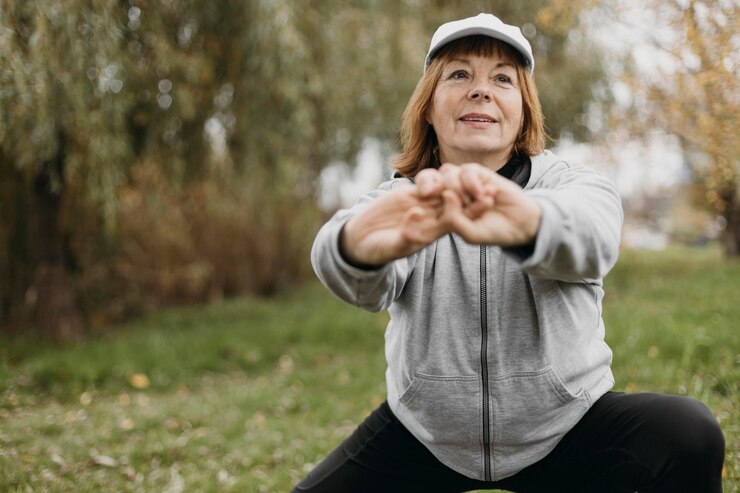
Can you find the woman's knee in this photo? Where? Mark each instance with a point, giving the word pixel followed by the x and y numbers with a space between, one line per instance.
pixel 690 430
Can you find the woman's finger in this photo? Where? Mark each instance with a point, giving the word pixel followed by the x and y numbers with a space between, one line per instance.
pixel 475 179
pixel 479 207
pixel 429 182
pixel 455 218
pixel 451 176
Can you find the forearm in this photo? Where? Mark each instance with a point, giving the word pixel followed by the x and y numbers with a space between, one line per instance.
pixel 370 289
pixel 579 233
pixel 369 284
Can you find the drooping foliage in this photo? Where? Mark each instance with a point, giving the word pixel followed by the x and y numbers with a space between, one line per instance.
pixel 168 152
pixel 691 91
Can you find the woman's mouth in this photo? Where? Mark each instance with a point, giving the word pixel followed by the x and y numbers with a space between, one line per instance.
pixel 478 119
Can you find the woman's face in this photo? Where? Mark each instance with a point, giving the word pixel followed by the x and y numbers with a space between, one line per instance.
pixel 476 110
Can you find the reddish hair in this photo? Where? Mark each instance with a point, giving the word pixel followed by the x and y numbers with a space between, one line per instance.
pixel 418 139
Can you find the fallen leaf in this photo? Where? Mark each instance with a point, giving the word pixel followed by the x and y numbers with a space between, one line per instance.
pixel 86 398
pixel 102 460
pixel 139 381
pixel 58 460
pixel 286 364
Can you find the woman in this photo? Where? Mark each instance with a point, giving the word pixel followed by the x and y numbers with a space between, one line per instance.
pixel 489 253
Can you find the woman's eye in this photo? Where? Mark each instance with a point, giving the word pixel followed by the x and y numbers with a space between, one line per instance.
pixel 504 79
pixel 458 74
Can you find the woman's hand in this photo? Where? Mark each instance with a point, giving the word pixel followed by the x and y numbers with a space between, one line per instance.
pixel 470 200
pixel 500 213
pixel 401 222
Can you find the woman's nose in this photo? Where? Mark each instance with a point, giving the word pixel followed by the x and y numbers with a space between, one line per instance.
pixel 480 91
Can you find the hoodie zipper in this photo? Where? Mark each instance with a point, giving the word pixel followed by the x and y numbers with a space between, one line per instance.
pixel 484 362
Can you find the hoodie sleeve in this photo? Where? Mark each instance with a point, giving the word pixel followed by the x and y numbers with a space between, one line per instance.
pixel 580 229
pixel 371 289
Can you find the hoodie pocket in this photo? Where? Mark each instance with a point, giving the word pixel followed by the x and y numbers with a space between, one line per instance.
pixel 531 413
pixel 444 413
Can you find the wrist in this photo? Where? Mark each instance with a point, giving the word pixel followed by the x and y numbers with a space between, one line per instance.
pixel 345 243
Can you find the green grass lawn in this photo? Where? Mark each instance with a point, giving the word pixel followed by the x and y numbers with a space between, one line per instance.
pixel 248 394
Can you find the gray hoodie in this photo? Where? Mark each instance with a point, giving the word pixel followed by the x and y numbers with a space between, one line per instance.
pixel 493 356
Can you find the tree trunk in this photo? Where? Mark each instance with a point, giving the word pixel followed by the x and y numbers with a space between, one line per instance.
pixel 52 294
pixel 15 269
pixel 731 234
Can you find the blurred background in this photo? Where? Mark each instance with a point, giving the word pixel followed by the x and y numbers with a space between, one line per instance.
pixel 184 151
pixel 165 165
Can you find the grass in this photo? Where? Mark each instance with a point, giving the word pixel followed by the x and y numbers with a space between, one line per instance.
pixel 247 394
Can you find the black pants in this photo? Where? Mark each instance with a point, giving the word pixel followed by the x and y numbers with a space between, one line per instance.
pixel 625 443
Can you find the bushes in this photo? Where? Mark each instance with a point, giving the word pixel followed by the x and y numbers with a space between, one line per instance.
pixel 212 239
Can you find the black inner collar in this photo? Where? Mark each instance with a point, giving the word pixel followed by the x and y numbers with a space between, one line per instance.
pixel 517 169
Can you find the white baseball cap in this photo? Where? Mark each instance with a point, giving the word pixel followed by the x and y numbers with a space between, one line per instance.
pixel 486 25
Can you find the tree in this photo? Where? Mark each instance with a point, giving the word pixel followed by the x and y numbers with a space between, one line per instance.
pixel 60 81
pixel 694 95
pixel 230 110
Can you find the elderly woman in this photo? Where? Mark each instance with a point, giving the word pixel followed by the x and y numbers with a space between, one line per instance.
pixel 489 253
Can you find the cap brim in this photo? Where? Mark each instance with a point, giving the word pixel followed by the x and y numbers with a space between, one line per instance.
pixel 480 30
